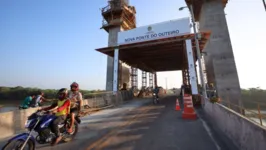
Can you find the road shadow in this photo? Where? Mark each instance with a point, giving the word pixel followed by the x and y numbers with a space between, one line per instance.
pixel 130 128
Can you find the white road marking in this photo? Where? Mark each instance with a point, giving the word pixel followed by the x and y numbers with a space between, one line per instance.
pixel 210 133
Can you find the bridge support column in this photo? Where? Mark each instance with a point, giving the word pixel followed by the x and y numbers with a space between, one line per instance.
pixel 155 79
pixel 191 68
pixel 144 79
pixel 116 70
pixel 220 62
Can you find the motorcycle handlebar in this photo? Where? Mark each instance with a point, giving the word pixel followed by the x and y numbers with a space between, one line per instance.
pixel 42 112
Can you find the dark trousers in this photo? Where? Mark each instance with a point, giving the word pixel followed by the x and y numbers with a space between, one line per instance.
pixel 58 120
pixel 74 111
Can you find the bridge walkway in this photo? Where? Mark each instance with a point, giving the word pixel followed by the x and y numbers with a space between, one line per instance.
pixel 140 125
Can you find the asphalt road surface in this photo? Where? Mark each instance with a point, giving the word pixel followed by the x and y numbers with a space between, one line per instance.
pixel 140 125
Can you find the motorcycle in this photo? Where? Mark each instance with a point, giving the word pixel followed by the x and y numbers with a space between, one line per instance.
pixel 155 99
pixel 40 122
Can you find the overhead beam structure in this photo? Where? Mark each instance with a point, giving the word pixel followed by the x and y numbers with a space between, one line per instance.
pixel 157 55
pixel 143 56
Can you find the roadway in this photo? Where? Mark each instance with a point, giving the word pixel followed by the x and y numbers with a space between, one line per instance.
pixel 139 125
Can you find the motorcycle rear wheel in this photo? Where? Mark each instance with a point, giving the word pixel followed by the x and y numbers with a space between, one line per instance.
pixel 72 135
pixel 17 144
pixel 155 101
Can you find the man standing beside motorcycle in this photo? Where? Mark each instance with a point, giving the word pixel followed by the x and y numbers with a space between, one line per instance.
pixel 39 99
pixel 76 103
pixel 61 109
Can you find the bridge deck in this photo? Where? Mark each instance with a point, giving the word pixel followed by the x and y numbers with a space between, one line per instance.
pixel 140 125
pixel 157 55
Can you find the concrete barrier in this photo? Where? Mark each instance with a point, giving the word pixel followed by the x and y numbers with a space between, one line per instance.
pixel 246 134
pixel 13 122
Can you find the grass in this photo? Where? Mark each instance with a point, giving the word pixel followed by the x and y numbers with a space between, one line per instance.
pixel 253 98
pixel 253 102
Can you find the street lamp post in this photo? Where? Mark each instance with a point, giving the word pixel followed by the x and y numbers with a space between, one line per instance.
pixel 264 4
pixel 198 51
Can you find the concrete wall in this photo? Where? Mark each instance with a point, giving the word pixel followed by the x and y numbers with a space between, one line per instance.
pixel 109 99
pixel 13 122
pixel 243 132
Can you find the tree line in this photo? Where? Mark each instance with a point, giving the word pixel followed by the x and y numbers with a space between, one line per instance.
pixel 250 96
pixel 19 93
pixel 253 98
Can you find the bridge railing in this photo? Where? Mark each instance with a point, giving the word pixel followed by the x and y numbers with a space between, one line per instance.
pixel 12 122
pixel 245 127
pixel 257 115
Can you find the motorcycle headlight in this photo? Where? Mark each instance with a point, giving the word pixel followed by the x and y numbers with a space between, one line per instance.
pixel 27 123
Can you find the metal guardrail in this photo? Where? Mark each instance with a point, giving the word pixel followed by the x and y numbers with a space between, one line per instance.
pixel 251 113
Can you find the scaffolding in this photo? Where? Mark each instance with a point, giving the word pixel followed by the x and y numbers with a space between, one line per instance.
pixel 118 13
pixel 144 79
pixel 134 78
pixel 151 80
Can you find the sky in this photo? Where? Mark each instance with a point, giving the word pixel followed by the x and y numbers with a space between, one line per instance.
pixel 50 44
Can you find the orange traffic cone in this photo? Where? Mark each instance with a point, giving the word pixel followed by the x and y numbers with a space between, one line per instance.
pixel 189 112
pixel 177 106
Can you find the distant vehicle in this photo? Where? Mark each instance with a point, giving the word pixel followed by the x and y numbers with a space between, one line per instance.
pixel 155 99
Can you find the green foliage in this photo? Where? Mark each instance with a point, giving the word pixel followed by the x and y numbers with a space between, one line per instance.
pixel 253 97
pixel 19 93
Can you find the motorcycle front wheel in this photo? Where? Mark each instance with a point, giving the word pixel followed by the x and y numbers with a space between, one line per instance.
pixel 17 144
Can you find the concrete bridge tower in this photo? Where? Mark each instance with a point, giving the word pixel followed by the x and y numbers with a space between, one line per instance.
pixel 219 60
pixel 117 16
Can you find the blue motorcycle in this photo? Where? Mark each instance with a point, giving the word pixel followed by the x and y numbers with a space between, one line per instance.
pixel 40 122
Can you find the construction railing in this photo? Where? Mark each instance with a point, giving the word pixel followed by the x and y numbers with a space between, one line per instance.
pixel 256 114
pixel 114 5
